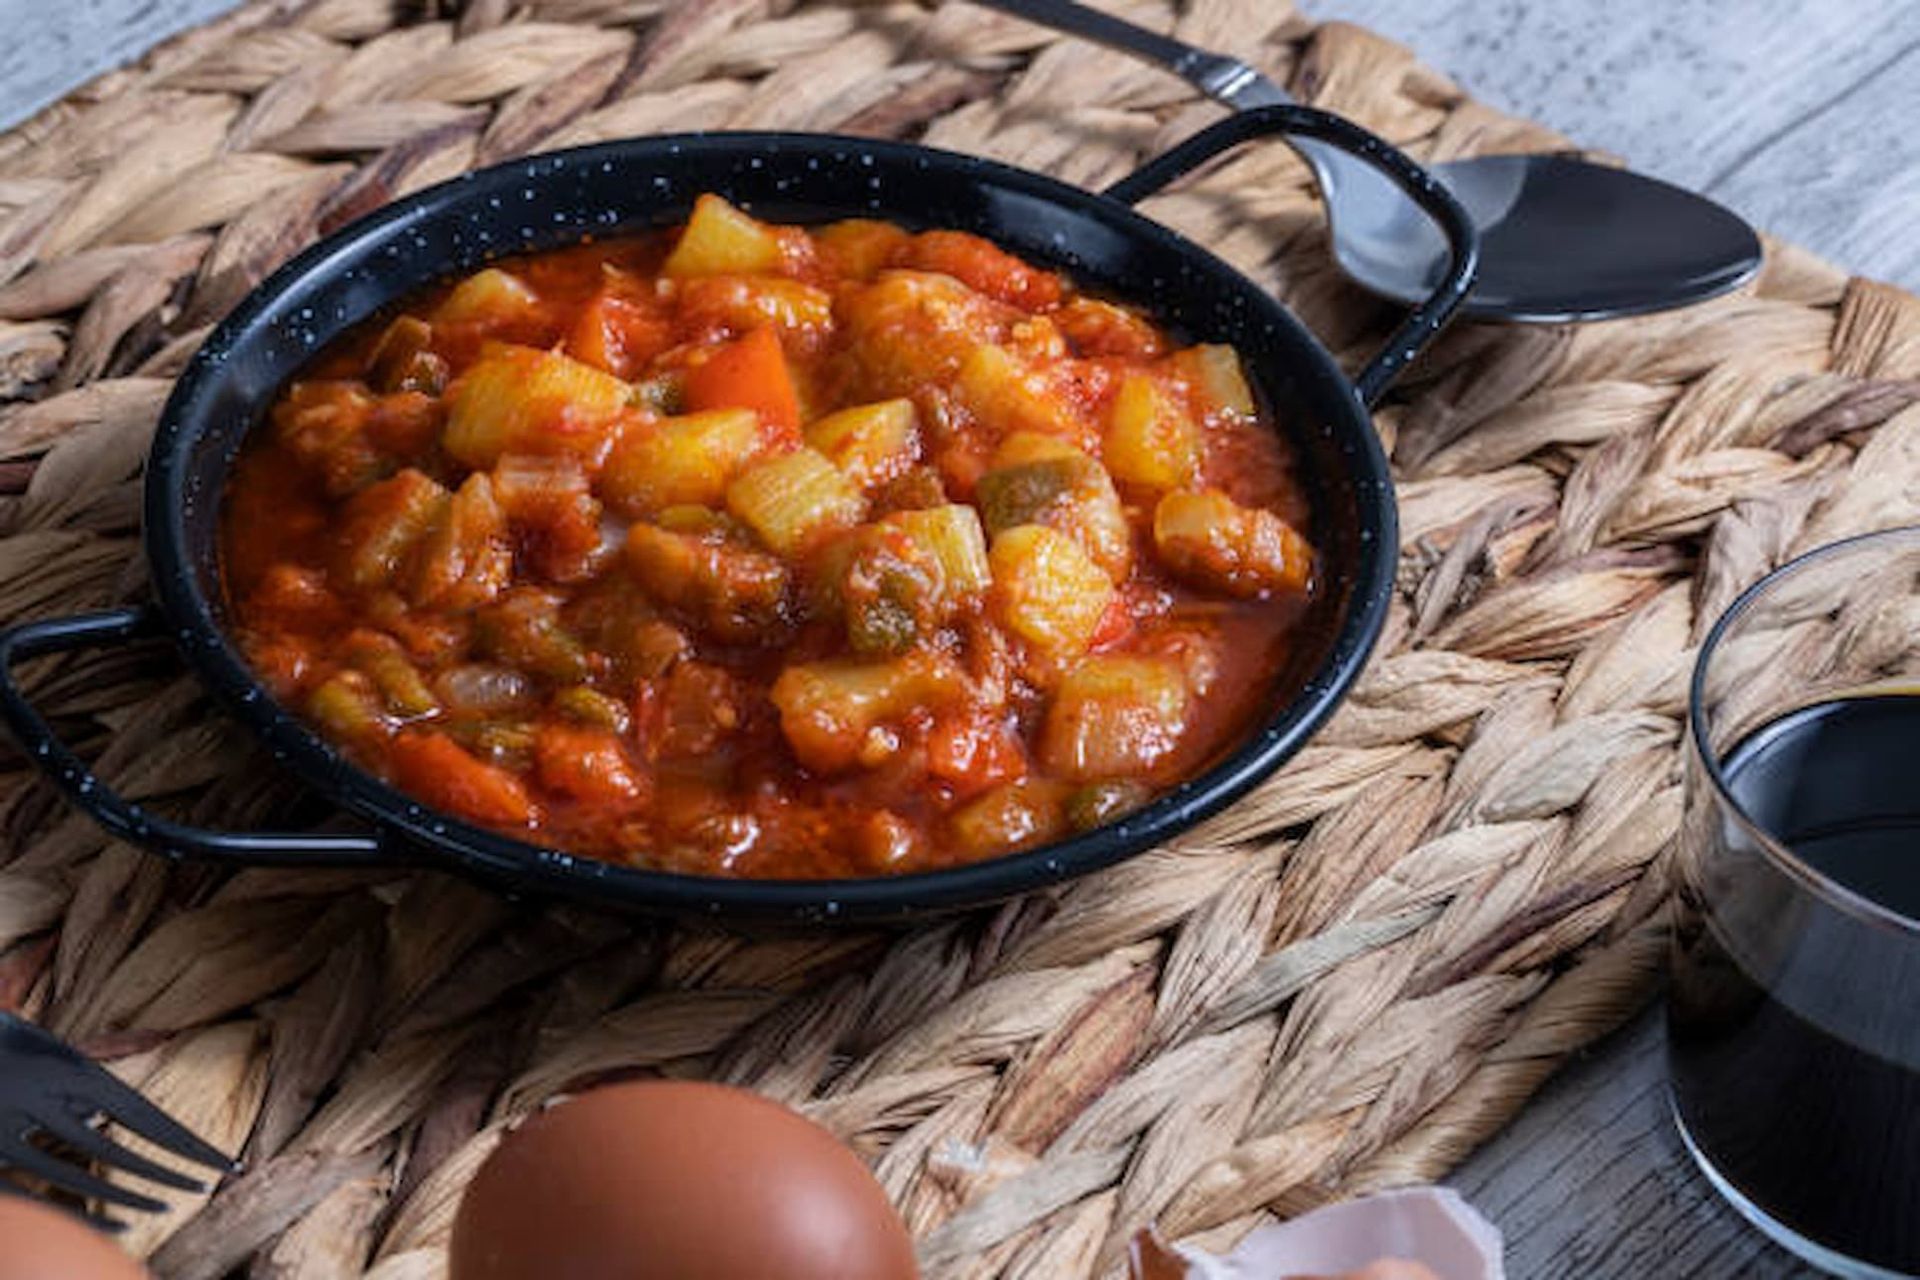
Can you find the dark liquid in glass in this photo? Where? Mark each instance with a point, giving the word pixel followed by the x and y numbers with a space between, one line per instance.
pixel 1794 1054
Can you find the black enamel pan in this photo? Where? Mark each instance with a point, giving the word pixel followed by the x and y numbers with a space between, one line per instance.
pixel 604 190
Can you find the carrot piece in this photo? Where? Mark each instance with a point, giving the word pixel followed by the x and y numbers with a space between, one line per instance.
pixel 586 764
pixel 749 373
pixel 619 336
pixel 973 754
pixel 435 769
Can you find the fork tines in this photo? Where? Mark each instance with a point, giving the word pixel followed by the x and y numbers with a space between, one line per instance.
pixel 50 1091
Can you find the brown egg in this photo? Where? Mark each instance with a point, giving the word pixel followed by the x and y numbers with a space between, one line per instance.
pixel 38 1242
pixel 674 1181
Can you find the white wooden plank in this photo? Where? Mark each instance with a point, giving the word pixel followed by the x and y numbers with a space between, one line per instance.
pixel 1796 115
pixel 1591 1181
pixel 51 46
pixel 1846 177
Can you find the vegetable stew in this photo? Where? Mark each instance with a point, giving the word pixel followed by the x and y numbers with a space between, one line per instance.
pixel 756 550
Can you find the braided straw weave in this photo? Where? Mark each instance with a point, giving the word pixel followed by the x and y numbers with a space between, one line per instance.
pixel 1344 983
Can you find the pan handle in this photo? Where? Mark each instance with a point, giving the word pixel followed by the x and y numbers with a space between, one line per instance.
pixel 1434 200
pixel 122 817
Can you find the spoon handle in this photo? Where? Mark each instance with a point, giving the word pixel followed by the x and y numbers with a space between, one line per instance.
pixel 1222 78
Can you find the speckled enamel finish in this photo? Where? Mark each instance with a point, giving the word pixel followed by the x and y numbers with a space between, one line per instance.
pixel 628 186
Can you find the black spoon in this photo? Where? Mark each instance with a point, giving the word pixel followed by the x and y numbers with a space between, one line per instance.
pixel 1560 239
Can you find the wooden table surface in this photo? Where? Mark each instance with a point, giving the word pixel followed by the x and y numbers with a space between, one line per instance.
pixel 1796 115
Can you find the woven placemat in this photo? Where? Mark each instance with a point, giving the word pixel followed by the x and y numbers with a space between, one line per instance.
pixel 1344 983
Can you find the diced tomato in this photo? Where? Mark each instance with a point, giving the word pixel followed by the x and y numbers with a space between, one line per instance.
pixel 749 373
pixel 323 424
pixel 429 637
pixel 888 843
pixel 962 461
pixel 296 595
pixel 405 423
pixel 982 265
pixel 1101 329
pixel 553 513
pixel 434 768
pixel 973 754
pixel 618 335
pixel 1116 624
pixel 799 255
pixel 282 662
pixel 690 712
pixel 587 765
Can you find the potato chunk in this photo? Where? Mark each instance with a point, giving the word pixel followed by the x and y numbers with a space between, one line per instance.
pixel 1114 716
pixel 1050 592
pixel 909 328
pixel 1151 439
pixel 872 443
pixel 519 400
pixel 489 296
pixel 1211 540
pixel 721 240
pixel 1022 447
pixel 1006 395
pixel 688 459
pixel 791 501
pixel 835 713
pixel 860 247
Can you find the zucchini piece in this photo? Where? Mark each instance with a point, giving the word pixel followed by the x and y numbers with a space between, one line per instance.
pixel 1212 541
pixel 793 500
pixel 1050 592
pixel 1114 716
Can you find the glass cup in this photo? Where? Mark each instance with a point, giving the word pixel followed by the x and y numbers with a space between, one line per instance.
pixel 1794 1020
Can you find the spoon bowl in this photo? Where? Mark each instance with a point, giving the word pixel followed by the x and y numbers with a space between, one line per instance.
pixel 1560 238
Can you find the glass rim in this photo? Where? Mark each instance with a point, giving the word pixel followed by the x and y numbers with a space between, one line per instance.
pixel 1776 849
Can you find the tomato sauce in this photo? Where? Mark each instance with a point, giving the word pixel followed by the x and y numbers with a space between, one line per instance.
pixel 750 550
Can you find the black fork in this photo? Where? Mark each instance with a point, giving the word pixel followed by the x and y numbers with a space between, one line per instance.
pixel 49 1091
